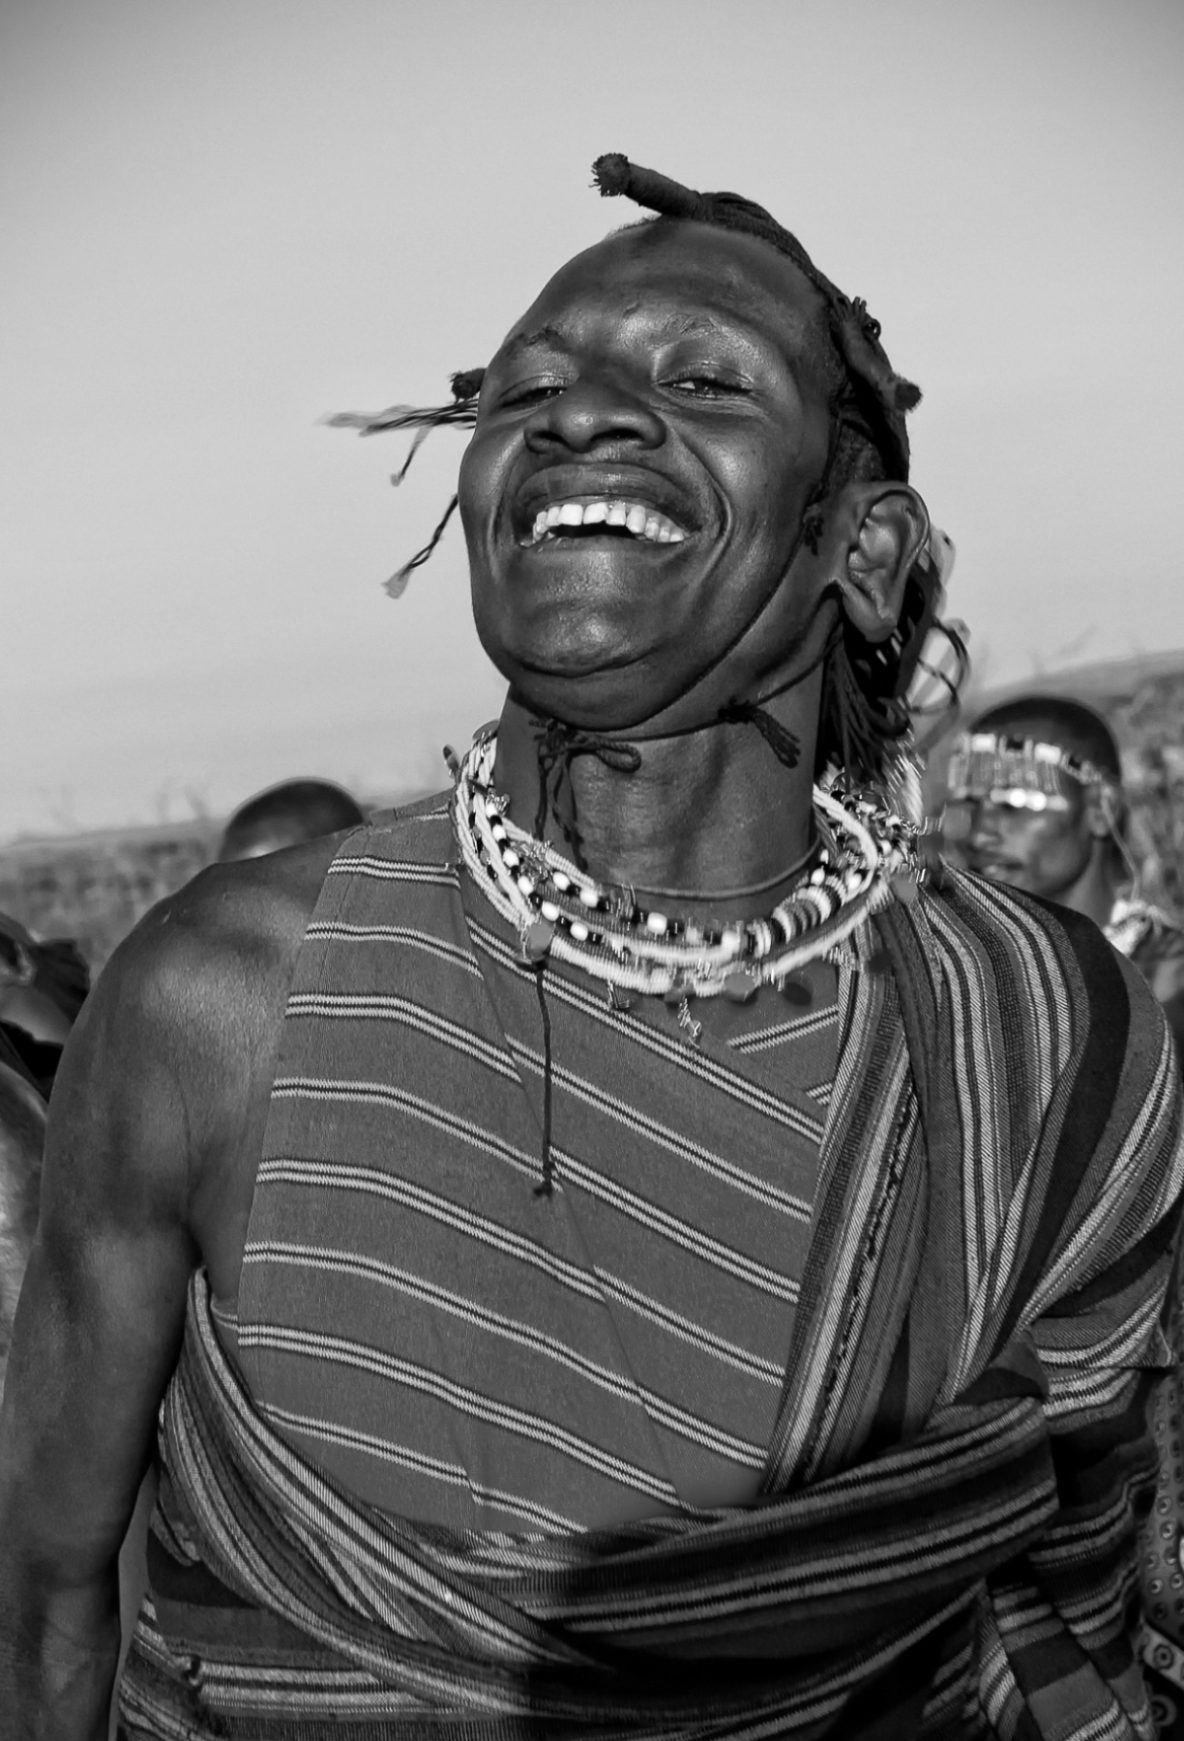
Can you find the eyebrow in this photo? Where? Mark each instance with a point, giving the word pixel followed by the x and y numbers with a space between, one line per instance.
pixel 527 341
pixel 552 337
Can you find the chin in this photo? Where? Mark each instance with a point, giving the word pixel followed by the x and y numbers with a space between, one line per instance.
pixel 594 700
pixel 573 678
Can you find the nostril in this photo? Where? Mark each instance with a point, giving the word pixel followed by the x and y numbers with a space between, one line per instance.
pixel 588 414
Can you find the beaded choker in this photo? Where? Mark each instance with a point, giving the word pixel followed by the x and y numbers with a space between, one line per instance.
pixel 559 910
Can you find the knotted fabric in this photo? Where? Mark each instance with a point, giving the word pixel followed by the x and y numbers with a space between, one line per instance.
pixel 716 1626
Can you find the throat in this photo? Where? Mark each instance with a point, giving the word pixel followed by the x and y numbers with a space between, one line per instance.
pixel 711 818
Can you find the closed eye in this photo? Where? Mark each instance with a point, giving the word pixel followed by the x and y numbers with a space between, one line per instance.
pixel 705 384
pixel 531 393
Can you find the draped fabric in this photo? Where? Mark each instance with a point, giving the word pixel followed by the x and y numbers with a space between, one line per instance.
pixel 756 1621
pixel 943 1543
pixel 445 1341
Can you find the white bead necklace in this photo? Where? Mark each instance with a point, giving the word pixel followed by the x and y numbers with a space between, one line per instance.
pixel 559 910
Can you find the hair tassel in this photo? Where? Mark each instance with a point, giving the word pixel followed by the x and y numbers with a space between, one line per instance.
pixel 461 414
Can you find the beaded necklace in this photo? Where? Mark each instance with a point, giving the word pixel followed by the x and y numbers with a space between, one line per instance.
pixel 559 910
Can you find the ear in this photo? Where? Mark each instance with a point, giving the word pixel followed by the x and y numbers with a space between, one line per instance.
pixel 1103 811
pixel 886 526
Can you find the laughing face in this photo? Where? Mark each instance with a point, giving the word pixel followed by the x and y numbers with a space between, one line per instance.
pixel 647 440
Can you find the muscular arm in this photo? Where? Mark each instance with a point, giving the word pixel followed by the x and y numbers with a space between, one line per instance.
pixel 96 1337
pixel 148 1168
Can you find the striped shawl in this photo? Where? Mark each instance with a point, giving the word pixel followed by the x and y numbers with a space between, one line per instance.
pixel 944 1543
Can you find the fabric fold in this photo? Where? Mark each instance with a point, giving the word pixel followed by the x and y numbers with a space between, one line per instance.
pixel 773 1611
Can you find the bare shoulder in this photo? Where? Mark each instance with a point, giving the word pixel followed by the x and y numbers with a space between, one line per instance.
pixel 163 1087
pixel 205 968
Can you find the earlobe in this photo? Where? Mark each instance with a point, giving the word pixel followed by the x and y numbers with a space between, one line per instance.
pixel 1102 814
pixel 891 526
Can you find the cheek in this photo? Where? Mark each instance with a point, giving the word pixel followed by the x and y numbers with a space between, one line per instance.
pixel 1052 845
pixel 482 466
pixel 763 487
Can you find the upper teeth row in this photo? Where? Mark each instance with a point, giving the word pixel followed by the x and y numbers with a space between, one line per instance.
pixel 642 522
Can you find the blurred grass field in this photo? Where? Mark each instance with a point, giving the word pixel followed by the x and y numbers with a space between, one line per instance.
pixel 94 888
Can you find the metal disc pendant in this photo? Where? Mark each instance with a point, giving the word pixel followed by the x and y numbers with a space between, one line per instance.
pixel 739 988
pixel 536 945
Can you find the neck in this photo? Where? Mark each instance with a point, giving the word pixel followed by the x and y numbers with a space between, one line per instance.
pixel 711 811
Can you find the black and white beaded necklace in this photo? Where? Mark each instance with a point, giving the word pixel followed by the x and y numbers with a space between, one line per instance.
pixel 560 911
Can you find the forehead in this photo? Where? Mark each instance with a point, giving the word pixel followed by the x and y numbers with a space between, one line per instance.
pixel 1007 765
pixel 699 275
pixel 1035 728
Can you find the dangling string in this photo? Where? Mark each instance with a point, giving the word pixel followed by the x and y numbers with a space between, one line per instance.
pixel 785 745
pixel 547 1186
pixel 935 693
pixel 396 586
pixel 557 746
pixel 860 727
pixel 466 386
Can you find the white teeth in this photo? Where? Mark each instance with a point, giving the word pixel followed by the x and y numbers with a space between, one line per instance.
pixel 642 522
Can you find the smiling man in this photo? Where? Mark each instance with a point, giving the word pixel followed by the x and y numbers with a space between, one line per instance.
pixel 1038 784
pixel 618 1256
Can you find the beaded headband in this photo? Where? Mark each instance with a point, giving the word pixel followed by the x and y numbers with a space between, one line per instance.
pixel 1020 772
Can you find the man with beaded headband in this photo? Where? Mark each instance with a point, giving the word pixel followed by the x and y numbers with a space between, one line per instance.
pixel 1035 793
pixel 618 1254
pixel 1036 788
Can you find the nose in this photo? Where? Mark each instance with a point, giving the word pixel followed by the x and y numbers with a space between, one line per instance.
pixel 594 414
pixel 983 832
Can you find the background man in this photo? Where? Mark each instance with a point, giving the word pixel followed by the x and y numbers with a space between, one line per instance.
pixel 617 1255
pixel 1041 781
pixel 287 815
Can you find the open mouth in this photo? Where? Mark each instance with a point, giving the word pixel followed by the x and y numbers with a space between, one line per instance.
pixel 602 517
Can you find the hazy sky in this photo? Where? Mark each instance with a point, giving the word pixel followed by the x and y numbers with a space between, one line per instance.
pixel 226 218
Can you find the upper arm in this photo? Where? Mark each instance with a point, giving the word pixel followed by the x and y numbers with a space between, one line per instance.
pixel 103 1303
pixel 154 1127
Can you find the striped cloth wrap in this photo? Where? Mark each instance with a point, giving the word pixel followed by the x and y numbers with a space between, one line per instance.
pixel 944 1544
pixel 752 1622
